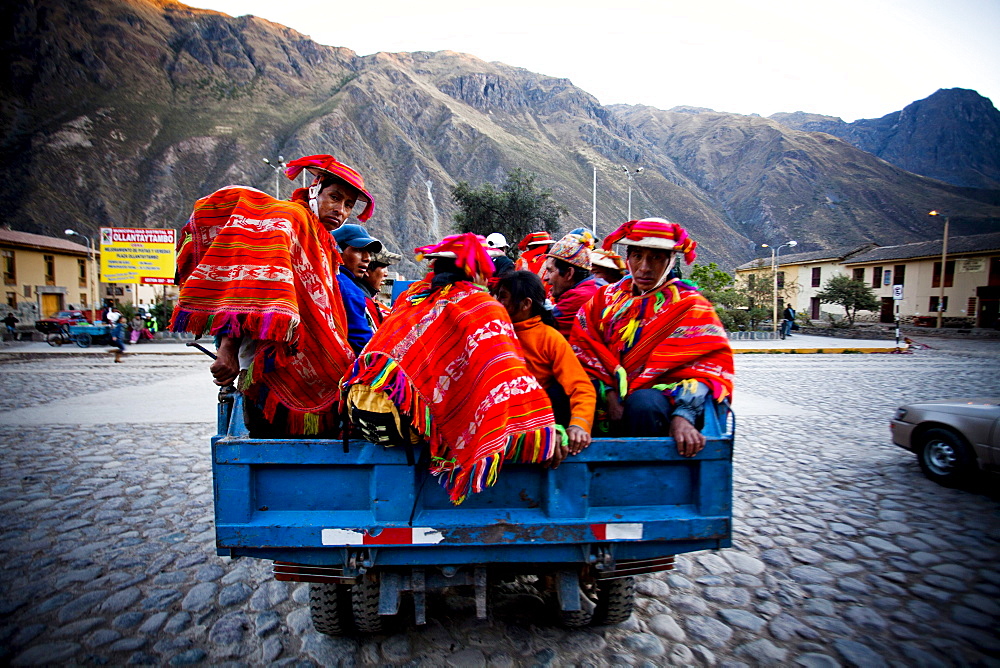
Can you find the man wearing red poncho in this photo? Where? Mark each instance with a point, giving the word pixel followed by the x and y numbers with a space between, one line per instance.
pixel 533 248
pixel 653 343
pixel 446 364
pixel 259 274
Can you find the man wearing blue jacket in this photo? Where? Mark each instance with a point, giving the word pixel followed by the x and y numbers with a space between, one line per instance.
pixel 356 248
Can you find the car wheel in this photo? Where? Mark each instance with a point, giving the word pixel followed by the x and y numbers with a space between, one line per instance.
pixel 945 457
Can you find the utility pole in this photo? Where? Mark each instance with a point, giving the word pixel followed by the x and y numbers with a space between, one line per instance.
pixel 774 278
pixel 92 271
pixel 279 169
pixel 631 174
pixel 594 222
pixel 944 263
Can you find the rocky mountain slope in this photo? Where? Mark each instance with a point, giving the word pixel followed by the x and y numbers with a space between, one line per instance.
pixel 953 136
pixel 123 112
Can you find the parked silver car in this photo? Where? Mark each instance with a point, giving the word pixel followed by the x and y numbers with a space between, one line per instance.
pixel 952 438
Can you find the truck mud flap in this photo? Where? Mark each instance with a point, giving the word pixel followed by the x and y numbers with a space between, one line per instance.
pixel 288 572
pixel 624 568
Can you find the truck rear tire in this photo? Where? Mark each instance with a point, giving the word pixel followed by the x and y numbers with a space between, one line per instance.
pixel 615 600
pixel 330 608
pixel 364 605
pixel 577 619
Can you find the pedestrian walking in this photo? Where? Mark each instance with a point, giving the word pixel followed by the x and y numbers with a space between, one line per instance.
pixel 117 322
pixel 787 322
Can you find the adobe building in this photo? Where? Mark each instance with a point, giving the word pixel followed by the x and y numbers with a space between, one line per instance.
pixel 971 280
pixel 43 275
pixel 801 277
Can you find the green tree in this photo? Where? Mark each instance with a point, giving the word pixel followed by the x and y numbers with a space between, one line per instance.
pixel 717 286
pixel 733 303
pixel 853 295
pixel 755 296
pixel 162 310
pixel 518 207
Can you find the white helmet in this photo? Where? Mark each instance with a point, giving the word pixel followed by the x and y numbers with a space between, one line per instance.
pixel 496 240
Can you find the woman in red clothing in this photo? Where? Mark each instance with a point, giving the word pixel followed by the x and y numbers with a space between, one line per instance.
pixel 549 358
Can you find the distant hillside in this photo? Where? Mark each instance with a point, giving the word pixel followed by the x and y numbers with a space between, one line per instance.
pixel 953 136
pixel 123 112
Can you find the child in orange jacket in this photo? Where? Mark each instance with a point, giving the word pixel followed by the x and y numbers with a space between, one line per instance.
pixel 549 357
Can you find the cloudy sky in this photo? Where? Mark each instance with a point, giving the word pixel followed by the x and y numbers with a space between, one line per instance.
pixel 852 58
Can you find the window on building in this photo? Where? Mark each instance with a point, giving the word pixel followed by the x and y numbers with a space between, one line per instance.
pixel 751 281
pixel 859 274
pixel 994 278
pixel 933 306
pixel 816 277
pixel 82 266
pixel 12 299
pixel 877 277
pixel 949 274
pixel 970 307
pixel 898 272
pixel 27 291
pixel 781 279
pixel 887 277
pixel 50 269
pixel 83 300
pixel 9 268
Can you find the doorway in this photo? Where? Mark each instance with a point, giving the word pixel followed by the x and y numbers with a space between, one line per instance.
pixel 51 304
pixel 886 314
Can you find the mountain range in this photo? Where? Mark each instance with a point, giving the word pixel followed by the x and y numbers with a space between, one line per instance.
pixel 124 112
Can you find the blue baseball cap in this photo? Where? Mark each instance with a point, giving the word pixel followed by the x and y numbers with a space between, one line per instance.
pixel 356 236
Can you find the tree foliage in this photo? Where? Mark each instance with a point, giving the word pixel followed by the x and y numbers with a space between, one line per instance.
pixel 853 295
pixel 518 207
pixel 735 304
pixel 717 286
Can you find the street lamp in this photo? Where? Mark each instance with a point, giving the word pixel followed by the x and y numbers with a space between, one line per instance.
pixel 774 277
pixel 279 169
pixel 944 263
pixel 593 223
pixel 631 174
pixel 93 273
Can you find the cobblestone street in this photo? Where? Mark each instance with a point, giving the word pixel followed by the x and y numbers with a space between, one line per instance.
pixel 844 554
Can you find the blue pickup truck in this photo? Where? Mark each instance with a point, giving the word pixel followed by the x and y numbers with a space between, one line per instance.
pixel 367 525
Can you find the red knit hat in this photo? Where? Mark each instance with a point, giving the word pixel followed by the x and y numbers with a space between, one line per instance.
pixel 469 252
pixel 654 233
pixel 327 165
pixel 535 239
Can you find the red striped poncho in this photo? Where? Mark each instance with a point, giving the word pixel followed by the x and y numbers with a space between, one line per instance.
pixel 450 361
pixel 249 265
pixel 632 342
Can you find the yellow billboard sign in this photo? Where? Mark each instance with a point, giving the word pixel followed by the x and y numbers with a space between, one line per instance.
pixel 134 255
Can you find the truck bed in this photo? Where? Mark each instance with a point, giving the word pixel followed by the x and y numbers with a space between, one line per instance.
pixel 308 502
